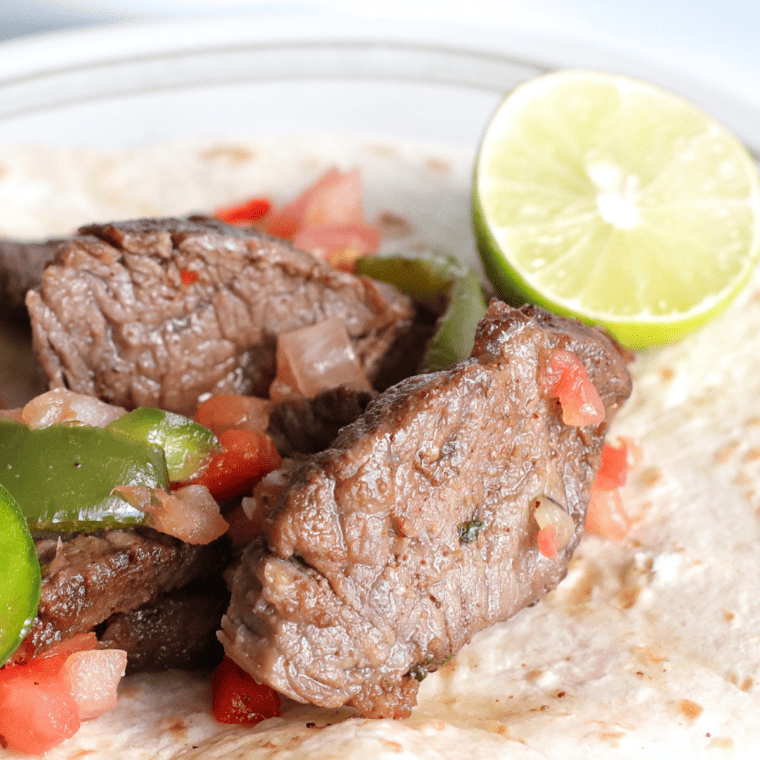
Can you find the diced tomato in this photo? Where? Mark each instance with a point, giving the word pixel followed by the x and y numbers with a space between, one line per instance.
pixel 606 516
pixel 567 380
pixel 548 542
pixel 224 411
pixel 37 706
pixel 189 276
pixel 244 214
pixel 335 198
pixel 245 458
pixel 339 244
pixel 242 529
pixel 82 642
pixel 44 701
pixel 238 698
pixel 614 468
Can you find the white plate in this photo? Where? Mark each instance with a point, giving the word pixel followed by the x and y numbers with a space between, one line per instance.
pixel 136 83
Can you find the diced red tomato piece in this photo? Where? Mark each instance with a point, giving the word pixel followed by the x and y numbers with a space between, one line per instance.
pixel 37 706
pixel 43 701
pixel 339 244
pixel 238 698
pixel 548 541
pixel 335 198
pixel 224 411
pixel 189 276
pixel 28 651
pixel 614 468
pixel 245 458
pixel 567 379
pixel 606 516
pixel 242 529
pixel 245 213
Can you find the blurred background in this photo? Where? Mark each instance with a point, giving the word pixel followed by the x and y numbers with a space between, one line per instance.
pixel 717 42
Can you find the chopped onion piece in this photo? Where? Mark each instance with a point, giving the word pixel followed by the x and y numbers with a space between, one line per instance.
pixel 61 405
pixel 316 358
pixel 554 523
pixel 190 513
pixel 94 677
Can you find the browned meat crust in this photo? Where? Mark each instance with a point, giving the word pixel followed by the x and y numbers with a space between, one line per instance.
pixel 21 267
pixel 388 551
pixel 177 632
pixel 90 577
pixel 114 318
pixel 309 425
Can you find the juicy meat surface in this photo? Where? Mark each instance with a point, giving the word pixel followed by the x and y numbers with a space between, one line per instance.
pixel 369 573
pixel 176 632
pixel 92 576
pixel 21 267
pixel 157 312
pixel 309 425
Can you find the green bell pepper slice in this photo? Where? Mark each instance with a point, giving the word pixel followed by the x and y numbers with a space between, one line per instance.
pixel 62 476
pixel 438 282
pixel 19 576
pixel 186 444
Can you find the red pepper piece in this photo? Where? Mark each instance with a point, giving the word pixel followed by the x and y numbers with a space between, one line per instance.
pixel 244 213
pixel 239 699
pixel 245 458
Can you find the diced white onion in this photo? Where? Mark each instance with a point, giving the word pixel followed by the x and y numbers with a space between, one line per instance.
pixel 316 358
pixel 61 405
pixel 549 513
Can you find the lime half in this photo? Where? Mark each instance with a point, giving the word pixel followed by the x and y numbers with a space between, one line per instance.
pixel 19 576
pixel 612 200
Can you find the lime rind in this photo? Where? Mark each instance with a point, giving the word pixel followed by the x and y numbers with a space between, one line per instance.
pixel 535 207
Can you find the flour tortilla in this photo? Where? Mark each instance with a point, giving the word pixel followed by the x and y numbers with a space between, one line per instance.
pixel 649 648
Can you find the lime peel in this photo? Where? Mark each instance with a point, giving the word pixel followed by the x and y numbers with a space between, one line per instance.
pixel 611 200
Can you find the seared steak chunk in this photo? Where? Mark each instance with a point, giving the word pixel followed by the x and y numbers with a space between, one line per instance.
pixel 91 576
pixel 157 312
pixel 309 425
pixel 416 529
pixel 176 632
pixel 21 268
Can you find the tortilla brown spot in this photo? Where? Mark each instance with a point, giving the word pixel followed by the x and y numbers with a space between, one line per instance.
pixel 690 709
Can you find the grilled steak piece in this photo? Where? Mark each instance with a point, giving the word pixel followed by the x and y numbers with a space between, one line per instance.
pixel 389 550
pixel 156 312
pixel 21 268
pixel 176 632
pixel 91 576
pixel 309 425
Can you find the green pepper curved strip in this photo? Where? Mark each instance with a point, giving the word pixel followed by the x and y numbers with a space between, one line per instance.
pixel 19 576
pixel 62 476
pixel 186 444
pixel 429 279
